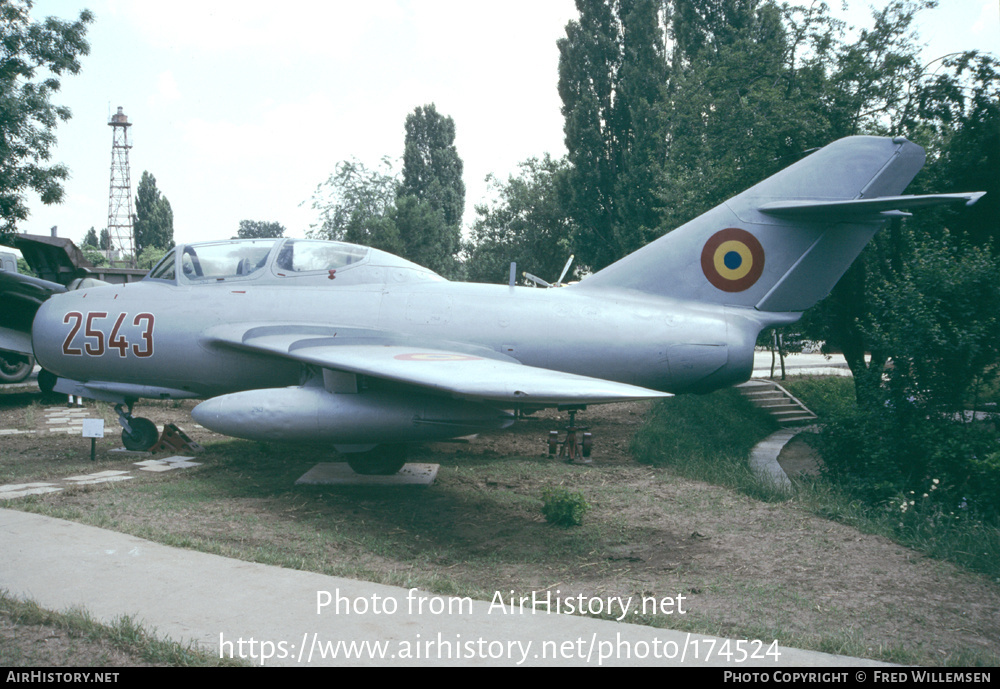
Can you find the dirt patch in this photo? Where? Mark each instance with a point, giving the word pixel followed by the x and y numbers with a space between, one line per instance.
pixel 37 645
pixel 612 425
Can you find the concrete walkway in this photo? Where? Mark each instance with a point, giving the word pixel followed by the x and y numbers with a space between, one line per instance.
pixel 276 616
pixel 764 456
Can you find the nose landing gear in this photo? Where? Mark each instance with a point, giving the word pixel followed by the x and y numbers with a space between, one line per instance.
pixel 138 434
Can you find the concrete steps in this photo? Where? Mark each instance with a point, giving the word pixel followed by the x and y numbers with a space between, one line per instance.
pixel 780 403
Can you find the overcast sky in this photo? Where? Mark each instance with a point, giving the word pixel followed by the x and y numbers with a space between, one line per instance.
pixel 240 109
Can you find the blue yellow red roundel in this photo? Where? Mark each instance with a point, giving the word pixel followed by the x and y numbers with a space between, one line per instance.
pixel 732 260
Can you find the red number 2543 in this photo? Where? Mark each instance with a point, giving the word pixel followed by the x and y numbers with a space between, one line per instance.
pixel 96 343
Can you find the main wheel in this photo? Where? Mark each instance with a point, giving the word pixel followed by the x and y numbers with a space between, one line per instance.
pixel 15 367
pixel 142 437
pixel 384 460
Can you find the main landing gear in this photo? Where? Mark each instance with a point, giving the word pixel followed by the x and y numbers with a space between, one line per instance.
pixel 578 442
pixel 138 434
pixel 382 460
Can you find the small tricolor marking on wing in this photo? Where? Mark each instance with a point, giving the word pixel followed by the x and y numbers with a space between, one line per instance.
pixel 435 356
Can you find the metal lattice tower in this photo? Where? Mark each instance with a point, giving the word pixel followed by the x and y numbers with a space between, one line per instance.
pixel 120 195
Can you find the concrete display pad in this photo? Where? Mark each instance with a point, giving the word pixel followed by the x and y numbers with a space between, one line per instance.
pixel 339 474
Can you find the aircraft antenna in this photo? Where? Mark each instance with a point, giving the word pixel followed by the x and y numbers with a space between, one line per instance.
pixel 120 193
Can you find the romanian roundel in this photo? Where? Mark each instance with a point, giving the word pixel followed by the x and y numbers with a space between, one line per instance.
pixel 732 260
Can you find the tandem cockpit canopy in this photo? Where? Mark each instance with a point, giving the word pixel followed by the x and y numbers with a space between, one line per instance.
pixel 276 260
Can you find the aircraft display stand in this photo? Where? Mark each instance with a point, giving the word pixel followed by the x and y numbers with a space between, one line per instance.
pixel 340 474
pixel 578 443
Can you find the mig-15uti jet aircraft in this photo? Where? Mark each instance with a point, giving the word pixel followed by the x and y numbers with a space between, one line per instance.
pixel 302 340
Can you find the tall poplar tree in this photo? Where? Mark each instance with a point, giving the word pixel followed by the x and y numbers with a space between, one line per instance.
pixel 153 222
pixel 430 200
pixel 612 80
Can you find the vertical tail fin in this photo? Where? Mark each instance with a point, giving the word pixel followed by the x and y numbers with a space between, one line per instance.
pixel 783 244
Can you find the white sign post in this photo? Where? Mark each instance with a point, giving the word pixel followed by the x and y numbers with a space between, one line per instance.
pixel 93 429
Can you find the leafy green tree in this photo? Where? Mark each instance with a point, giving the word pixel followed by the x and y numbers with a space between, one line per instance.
pixel 24 269
pixel 879 85
pixel 91 239
pixel 357 204
pixel 416 214
pixel 612 78
pixel 749 93
pixel 431 195
pixel 958 107
pixel 150 256
pixel 94 255
pixel 33 58
pixel 153 222
pixel 938 318
pixel 258 229
pixel 527 224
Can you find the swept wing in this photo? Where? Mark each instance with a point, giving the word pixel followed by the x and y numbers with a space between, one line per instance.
pixel 461 371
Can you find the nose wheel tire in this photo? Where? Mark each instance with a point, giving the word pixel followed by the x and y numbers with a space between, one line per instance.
pixel 47 381
pixel 143 436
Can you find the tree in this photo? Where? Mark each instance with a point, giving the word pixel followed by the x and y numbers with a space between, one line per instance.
pixel 153 222
pixel 612 77
pixel 527 224
pixel 879 85
pixel 431 195
pixel 748 95
pixel 150 256
pixel 938 318
pixel 105 242
pixel 258 229
pixel 357 205
pixel 94 255
pixel 959 105
pixel 422 231
pixel 27 116
pixel 417 215
pixel 91 239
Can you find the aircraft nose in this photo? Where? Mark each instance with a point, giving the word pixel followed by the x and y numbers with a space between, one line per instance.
pixel 43 335
pixel 48 337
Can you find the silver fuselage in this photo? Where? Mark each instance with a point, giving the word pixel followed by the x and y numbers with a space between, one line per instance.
pixel 162 341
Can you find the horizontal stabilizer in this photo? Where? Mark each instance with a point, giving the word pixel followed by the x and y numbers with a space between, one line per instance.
pixel 823 210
